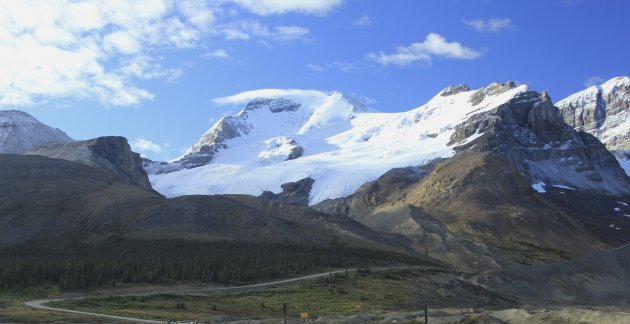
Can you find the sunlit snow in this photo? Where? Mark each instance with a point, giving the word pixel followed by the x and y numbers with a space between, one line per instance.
pixel 345 144
pixel 539 186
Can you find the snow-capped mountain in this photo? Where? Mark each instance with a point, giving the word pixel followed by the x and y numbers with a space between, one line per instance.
pixel 21 132
pixel 292 135
pixel 603 111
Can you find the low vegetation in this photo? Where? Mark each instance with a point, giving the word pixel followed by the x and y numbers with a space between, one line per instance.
pixel 336 294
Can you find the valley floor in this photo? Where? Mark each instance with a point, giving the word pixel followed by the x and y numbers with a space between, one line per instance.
pixel 368 296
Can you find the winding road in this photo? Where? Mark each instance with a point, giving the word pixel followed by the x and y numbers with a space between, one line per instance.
pixel 41 304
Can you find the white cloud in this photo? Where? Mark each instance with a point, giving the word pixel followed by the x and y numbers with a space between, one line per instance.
pixel 122 42
pixel 248 29
pixel 289 33
pixel 433 46
pixel 99 50
pixel 220 54
pixel 247 96
pixel 315 67
pixel 344 66
pixel 494 25
pixel 269 7
pixel 362 21
pixel 593 81
pixel 338 65
pixel 145 67
pixel 145 146
pixel 53 49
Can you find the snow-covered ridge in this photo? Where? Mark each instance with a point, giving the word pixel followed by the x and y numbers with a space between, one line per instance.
pixel 21 132
pixel 334 140
pixel 611 86
pixel 604 112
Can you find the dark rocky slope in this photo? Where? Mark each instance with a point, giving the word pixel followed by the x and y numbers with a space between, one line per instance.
pixel 601 278
pixel 52 200
pixel 111 154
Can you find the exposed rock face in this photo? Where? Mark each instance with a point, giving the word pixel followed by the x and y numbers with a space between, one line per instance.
pixel 229 127
pixel 491 90
pixel 281 148
pixel 21 132
pixel 293 193
pixel 111 153
pixel 274 105
pixel 530 132
pixel 454 89
pixel 212 141
pixel 602 111
pixel 296 152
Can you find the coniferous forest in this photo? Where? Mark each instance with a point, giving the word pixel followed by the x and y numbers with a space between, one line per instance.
pixel 112 263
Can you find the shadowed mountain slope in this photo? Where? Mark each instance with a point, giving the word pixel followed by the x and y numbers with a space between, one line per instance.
pixel 46 199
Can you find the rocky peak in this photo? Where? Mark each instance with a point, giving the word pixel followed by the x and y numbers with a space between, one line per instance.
pixel 544 116
pixel 601 111
pixel 212 141
pixel 496 88
pixel 493 89
pixel 530 131
pixel 110 153
pixel 454 89
pixel 275 105
pixel 544 96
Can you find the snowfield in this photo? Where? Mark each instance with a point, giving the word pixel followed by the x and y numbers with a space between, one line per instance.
pixel 345 144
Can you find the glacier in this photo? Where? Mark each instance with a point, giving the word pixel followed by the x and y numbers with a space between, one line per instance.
pixel 342 143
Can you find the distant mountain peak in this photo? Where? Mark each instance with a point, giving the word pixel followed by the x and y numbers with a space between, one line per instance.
pixel 620 83
pixel 603 111
pixel 20 132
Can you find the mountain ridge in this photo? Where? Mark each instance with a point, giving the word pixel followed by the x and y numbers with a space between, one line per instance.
pixel 361 145
pixel 341 146
pixel 603 111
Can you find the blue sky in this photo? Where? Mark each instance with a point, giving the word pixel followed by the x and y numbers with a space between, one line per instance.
pixel 147 70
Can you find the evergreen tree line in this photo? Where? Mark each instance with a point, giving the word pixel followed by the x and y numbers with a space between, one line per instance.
pixel 81 266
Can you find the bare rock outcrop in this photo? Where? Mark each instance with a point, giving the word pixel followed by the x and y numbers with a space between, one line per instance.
pixel 110 153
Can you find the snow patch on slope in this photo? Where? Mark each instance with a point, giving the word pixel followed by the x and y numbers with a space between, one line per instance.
pixel 625 164
pixel 539 186
pixel 607 87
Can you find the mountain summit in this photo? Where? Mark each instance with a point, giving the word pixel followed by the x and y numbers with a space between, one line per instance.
pixel 21 132
pixel 327 137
